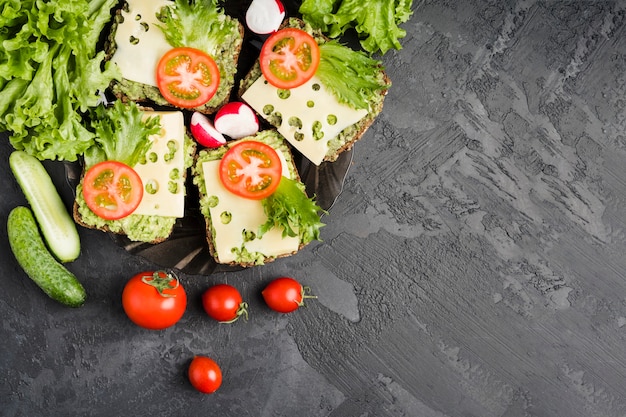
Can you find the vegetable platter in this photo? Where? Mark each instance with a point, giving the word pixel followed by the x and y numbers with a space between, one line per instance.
pixel 43 104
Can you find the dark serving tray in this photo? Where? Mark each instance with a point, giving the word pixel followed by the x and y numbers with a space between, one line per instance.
pixel 187 248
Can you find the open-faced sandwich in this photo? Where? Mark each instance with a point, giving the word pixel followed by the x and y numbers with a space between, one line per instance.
pixel 320 94
pixel 133 180
pixel 175 53
pixel 254 204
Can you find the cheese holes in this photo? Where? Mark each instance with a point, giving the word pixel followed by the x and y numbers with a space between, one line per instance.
pixel 318 133
pixel 295 122
pixel 268 109
pixel 213 201
pixel 172 147
pixel 226 217
pixel 248 235
pixel 151 187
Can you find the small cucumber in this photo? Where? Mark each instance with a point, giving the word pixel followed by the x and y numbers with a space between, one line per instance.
pixel 57 226
pixel 38 263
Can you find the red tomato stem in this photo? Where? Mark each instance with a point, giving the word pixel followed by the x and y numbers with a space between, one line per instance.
pixel 161 283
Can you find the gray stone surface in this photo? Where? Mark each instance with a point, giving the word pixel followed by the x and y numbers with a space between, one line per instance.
pixel 473 265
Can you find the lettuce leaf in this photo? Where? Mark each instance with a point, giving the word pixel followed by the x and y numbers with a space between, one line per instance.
pixel 51 73
pixel 352 76
pixel 182 20
pixel 375 21
pixel 290 208
pixel 318 13
pixel 121 134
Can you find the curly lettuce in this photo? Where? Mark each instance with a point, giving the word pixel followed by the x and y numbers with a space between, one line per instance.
pixel 51 73
pixel 375 21
pixel 182 20
pixel 352 76
pixel 290 209
pixel 121 134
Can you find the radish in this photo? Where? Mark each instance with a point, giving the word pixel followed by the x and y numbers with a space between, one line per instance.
pixel 265 16
pixel 236 120
pixel 204 132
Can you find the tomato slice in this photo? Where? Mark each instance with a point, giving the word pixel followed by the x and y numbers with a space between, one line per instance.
pixel 187 77
pixel 112 190
pixel 251 169
pixel 289 58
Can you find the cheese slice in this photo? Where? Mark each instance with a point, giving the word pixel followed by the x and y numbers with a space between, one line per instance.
pixel 163 171
pixel 140 43
pixel 310 114
pixel 236 219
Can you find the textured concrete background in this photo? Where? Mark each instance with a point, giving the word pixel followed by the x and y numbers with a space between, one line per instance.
pixel 473 266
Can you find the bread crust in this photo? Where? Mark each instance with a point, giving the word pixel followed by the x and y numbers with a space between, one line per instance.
pixel 79 220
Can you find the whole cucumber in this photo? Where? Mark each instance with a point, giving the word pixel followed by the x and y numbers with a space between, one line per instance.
pixel 57 226
pixel 38 263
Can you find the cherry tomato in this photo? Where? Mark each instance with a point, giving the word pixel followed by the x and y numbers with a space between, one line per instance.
pixel 251 169
pixel 112 190
pixel 285 295
pixel 289 58
pixel 205 374
pixel 223 302
pixel 154 300
pixel 187 77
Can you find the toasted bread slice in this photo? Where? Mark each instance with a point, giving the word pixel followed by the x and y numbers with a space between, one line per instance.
pixel 232 222
pixel 136 44
pixel 254 89
pixel 164 190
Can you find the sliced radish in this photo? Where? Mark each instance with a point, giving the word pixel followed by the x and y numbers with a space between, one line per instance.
pixel 236 120
pixel 204 132
pixel 265 16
